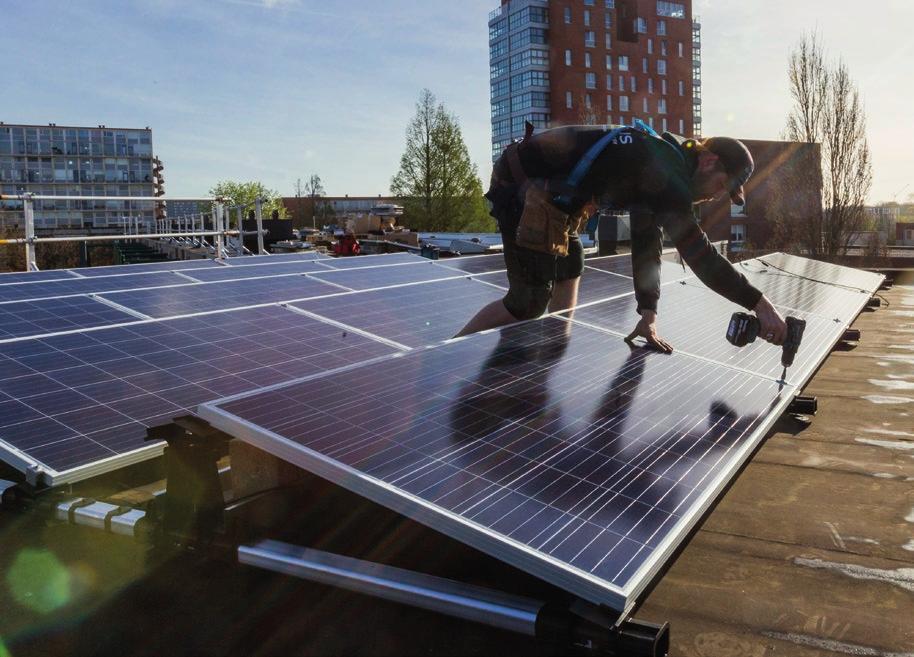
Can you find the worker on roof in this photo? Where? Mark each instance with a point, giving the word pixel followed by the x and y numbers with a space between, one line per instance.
pixel 544 187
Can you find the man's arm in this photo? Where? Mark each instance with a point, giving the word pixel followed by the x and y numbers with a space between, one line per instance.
pixel 647 245
pixel 711 267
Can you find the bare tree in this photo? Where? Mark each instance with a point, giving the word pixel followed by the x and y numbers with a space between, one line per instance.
pixel 827 110
pixel 587 113
pixel 314 188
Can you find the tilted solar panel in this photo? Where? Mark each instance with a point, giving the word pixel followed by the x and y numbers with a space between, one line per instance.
pixel 169 265
pixel 26 318
pixel 253 270
pixel 549 445
pixel 412 315
pixel 363 278
pixel 79 404
pixel 28 276
pixel 202 297
pixel 480 264
pixel 244 261
pixel 74 286
pixel 373 260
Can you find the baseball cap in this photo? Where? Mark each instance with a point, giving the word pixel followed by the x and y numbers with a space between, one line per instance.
pixel 737 162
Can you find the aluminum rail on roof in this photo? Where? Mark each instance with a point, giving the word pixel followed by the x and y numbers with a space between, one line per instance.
pixel 551 445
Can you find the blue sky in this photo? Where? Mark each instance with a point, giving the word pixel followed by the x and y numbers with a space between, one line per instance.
pixel 275 90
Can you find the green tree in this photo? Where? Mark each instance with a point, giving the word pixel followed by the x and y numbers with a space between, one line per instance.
pixel 437 184
pixel 245 193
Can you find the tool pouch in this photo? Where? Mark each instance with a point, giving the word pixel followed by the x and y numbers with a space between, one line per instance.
pixel 543 227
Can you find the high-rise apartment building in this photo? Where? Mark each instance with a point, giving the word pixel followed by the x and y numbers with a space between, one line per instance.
pixel 562 62
pixel 55 160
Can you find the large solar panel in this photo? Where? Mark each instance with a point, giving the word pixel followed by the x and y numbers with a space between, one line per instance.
pixel 25 318
pixel 73 286
pixel 373 260
pixel 243 261
pixel 475 264
pixel 365 279
pixel 550 445
pixel 202 297
pixel 27 276
pixel 254 270
pixel 169 265
pixel 79 404
pixel 411 315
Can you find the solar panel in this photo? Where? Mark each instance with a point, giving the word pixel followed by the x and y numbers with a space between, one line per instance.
pixel 815 269
pixel 694 320
pixel 79 404
pixel 28 276
pixel 202 297
pixel 253 270
pixel 373 260
pixel 244 261
pixel 362 278
pixel 26 318
pixel 480 264
pixel 411 315
pixel 670 270
pixel 549 445
pixel 169 265
pixel 73 286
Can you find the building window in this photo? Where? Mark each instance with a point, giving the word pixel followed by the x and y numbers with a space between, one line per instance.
pixel 498 49
pixel 737 210
pixel 623 62
pixel 633 84
pixel 661 66
pixel 590 80
pixel 609 103
pixel 567 58
pixel 610 4
pixel 587 60
pixel 663 48
pixel 568 100
pixel 663 87
pixel 661 28
pixel 681 126
pixel 567 15
pixel 588 101
pixel 497 29
pixel 531 57
pixel 644 108
pixel 644 64
pixel 661 106
pixel 590 40
pixel 663 123
pixel 609 62
pixel 529 79
pixel 650 85
pixel 608 41
pixel 607 20
pixel 738 233
pixel 623 103
pixel 640 25
pixel 670 9
pixel 650 46
pixel 609 81
pixel 621 83
pixel 679 47
pixel 587 17
pixel 681 88
pixel 588 3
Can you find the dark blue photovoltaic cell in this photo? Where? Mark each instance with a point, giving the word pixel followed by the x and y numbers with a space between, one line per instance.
pixel 52 315
pixel 244 261
pixel 252 271
pixel 413 315
pixel 170 265
pixel 552 435
pixel 70 400
pixel 29 276
pixel 363 278
pixel 202 297
pixel 72 286
pixel 595 285
pixel 671 269
pixel 695 319
pixel 480 264
pixel 822 271
pixel 373 260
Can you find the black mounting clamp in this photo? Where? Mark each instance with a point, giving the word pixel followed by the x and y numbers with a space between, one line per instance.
pixel 851 335
pixel 803 405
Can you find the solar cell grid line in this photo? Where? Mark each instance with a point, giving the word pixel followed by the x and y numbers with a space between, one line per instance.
pixel 413 315
pixel 365 278
pixel 379 260
pixel 8 278
pixel 695 319
pixel 557 404
pixel 78 286
pixel 79 404
pixel 252 271
pixel 204 297
pixel 27 318
pixel 170 265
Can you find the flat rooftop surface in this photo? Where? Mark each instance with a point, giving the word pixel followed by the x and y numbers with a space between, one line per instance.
pixel 810 552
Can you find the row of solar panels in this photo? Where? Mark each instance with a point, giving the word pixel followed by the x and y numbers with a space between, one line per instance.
pixel 552 445
pixel 82 376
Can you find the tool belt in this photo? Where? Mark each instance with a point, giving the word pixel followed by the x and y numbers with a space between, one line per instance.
pixel 543 226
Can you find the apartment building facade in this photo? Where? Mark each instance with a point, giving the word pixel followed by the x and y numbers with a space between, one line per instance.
pixel 565 62
pixel 54 160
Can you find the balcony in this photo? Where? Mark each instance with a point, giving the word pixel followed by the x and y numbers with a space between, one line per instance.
pixel 495 13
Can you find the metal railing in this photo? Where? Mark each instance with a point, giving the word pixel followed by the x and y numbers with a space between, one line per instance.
pixel 220 218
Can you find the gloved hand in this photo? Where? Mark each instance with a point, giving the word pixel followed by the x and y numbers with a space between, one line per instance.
pixel 647 329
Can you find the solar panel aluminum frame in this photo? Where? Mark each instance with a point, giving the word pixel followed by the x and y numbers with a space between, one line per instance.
pixel 565 576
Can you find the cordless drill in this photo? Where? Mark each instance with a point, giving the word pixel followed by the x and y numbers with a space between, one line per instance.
pixel 744 329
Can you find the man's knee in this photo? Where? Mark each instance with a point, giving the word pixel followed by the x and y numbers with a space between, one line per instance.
pixel 528 301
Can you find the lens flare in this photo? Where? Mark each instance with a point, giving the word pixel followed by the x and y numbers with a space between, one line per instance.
pixel 38 581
